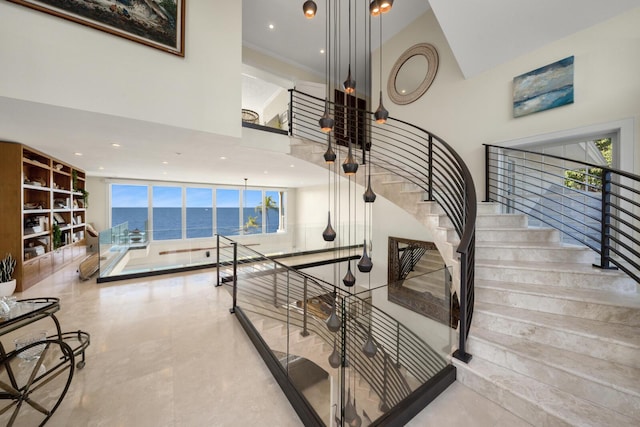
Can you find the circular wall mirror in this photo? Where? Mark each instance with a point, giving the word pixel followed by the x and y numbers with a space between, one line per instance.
pixel 412 74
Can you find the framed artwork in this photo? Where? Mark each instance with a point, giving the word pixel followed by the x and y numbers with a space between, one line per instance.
pixel 545 88
pixel 155 23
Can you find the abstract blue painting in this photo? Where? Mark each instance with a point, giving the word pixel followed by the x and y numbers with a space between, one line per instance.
pixel 547 87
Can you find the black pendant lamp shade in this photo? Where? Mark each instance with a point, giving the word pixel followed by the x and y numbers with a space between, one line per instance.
pixel 349 279
pixel 329 234
pixel 365 265
pixel 334 322
pixel 349 84
pixel 309 7
pixel 370 348
pixel 350 165
pixel 357 421
pixel 334 358
pixel 381 115
pixel 350 413
pixel 369 196
pixel 326 122
pixel 329 155
pixel 374 8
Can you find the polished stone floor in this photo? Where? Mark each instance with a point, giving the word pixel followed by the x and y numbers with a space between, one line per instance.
pixel 165 351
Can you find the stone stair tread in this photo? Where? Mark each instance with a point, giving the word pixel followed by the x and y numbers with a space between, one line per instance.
pixel 619 377
pixel 586 295
pixel 620 334
pixel 531 245
pixel 546 266
pixel 560 404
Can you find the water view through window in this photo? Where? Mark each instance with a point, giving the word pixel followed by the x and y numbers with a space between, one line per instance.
pixel 176 208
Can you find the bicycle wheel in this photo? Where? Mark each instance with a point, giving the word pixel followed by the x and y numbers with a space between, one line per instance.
pixel 33 381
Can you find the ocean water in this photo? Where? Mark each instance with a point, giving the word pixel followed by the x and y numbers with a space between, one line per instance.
pixel 167 222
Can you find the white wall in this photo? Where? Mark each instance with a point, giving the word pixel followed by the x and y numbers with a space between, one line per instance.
pixel 468 113
pixel 53 61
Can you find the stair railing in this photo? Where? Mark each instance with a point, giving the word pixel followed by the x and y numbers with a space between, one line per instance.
pixel 593 205
pixel 265 287
pixel 420 157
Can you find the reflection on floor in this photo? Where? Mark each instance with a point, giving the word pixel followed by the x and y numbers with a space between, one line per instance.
pixel 166 352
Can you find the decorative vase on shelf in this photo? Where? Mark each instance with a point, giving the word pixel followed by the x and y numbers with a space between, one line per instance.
pixel 7 288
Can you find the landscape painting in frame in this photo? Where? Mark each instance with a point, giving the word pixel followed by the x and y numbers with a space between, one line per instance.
pixel 155 23
pixel 547 87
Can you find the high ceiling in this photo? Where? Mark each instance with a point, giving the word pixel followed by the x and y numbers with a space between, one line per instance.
pixel 481 34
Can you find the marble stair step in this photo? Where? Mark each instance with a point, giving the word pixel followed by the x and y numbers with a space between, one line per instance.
pixel 488 208
pixel 584 303
pixel 613 386
pixel 571 275
pixel 537 402
pixel 534 251
pixel 493 220
pixel 502 234
pixel 616 343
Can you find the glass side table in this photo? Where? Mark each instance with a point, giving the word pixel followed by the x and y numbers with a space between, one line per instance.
pixel 35 376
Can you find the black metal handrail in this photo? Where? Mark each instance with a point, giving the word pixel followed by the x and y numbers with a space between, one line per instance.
pixel 419 157
pixel 264 285
pixel 594 205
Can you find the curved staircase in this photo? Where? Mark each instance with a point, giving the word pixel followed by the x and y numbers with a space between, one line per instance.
pixel 554 340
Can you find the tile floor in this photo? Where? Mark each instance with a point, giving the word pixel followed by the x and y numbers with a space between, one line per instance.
pixel 166 352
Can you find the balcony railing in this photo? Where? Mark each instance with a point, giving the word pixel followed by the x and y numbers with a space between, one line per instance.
pixel 280 306
pixel 593 205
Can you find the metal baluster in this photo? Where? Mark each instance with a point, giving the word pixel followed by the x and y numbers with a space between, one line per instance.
pixel 235 276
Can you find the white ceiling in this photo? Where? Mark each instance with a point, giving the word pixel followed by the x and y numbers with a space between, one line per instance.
pixel 482 34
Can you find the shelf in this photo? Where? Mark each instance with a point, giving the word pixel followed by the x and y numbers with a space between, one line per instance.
pixel 35 163
pixel 79 225
pixel 36 211
pixel 35 187
pixel 62 210
pixel 61 191
pixel 34 235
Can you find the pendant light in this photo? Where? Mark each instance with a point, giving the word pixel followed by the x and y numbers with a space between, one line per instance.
pixel 329 234
pixel 381 115
pixel 370 348
pixel 350 165
pixel 334 357
pixel 349 84
pixel 365 265
pixel 329 155
pixel 309 8
pixel 349 279
pixel 334 322
pixel 385 5
pixel 350 413
pixel 326 122
pixel 374 8
pixel 369 196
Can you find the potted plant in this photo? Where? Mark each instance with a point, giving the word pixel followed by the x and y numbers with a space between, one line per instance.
pixel 57 236
pixel 85 197
pixel 7 283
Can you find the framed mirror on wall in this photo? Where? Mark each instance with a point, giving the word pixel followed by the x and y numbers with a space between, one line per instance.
pixel 412 74
pixel 420 281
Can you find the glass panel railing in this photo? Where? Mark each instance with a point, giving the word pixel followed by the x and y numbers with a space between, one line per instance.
pixel 125 252
pixel 348 358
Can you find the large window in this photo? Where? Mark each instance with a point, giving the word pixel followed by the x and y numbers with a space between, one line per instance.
pixel 228 212
pixel 130 203
pixel 167 213
pixel 199 212
pixel 171 212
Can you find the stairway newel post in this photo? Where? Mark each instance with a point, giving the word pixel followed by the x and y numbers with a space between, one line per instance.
pixel 461 352
pixel 235 276
pixel 486 173
pixel 290 112
pixel 304 332
pixel 605 227
pixel 217 260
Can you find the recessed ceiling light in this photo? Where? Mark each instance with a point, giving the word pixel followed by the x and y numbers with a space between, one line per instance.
pixel 266 172
pixel 292 166
pixel 165 163
pixel 403 91
pixel 115 144
pixel 100 167
pixel 322 51
pixel 77 154
pixel 223 158
pixel 271 26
